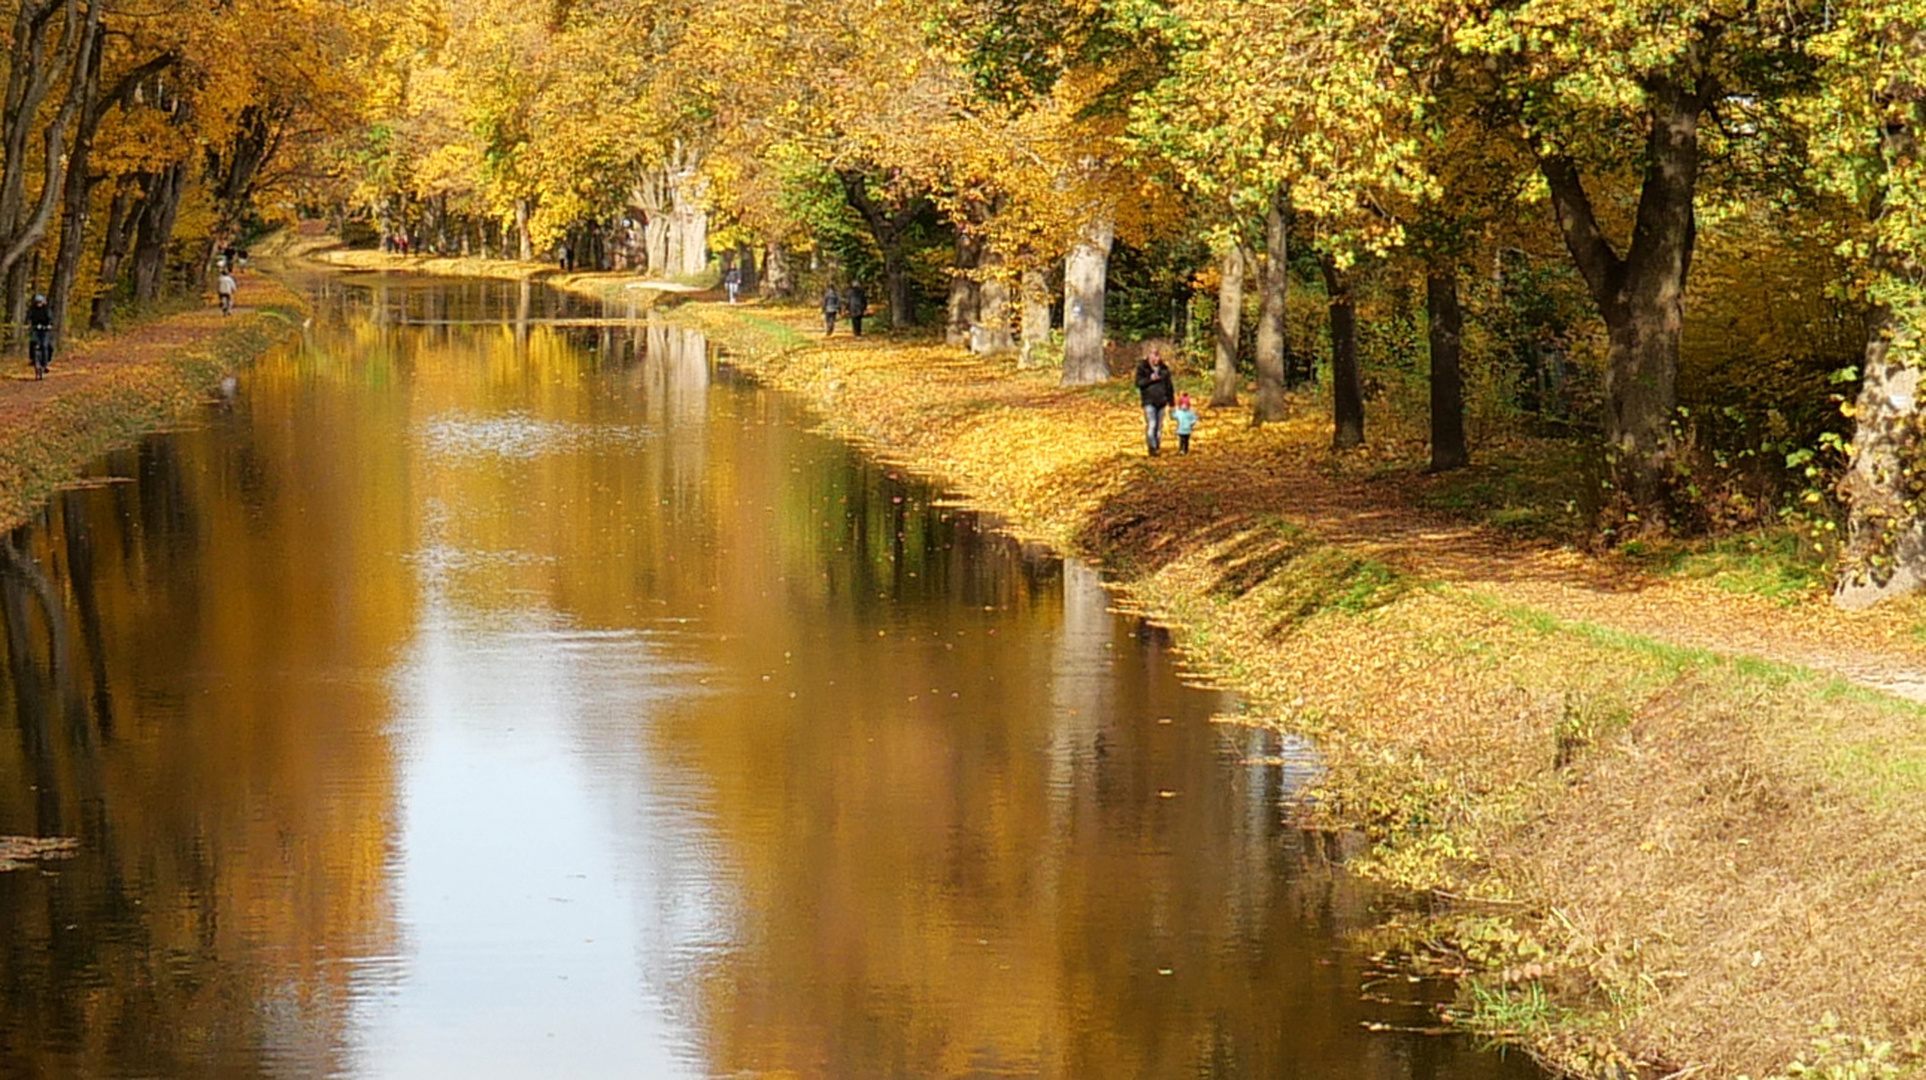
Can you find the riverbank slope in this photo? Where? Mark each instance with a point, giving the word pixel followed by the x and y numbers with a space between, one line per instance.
pixel 1670 827
pixel 107 390
pixel 1673 827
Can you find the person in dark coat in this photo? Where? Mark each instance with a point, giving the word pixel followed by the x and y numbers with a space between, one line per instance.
pixel 856 304
pixel 832 306
pixel 1155 390
pixel 40 336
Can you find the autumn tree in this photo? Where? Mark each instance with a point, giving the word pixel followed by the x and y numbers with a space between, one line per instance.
pixel 1599 93
pixel 1868 115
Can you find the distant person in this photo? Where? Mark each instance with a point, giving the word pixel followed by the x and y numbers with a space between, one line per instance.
pixel 567 257
pixel 225 286
pixel 832 306
pixel 732 281
pixel 1154 390
pixel 857 305
pixel 1185 418
pixel 40 336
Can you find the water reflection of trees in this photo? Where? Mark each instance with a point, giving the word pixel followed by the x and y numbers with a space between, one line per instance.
pixel 232 828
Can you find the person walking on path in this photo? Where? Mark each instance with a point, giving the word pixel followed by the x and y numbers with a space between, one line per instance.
pixel 225 286
pixel 733 282
pixel 1185 418
pixel 857 304
pixel 832 306
pixel 1154 390
pixel 40 336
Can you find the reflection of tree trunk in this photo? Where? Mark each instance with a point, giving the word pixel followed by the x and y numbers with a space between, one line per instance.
pixel 524 300
pixel 1446 321
pixel 1082 688
pixel 33 693
pixel 1036 316
pixel 1274 282
pixel 1230 323
pixel 80 572
pixel 1085 275
pixel 1347 386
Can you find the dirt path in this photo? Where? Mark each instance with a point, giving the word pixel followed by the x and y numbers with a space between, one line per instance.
pixel 107 390
pixel 1880 649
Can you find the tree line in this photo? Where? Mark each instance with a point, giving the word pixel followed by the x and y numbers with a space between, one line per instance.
pixel 1706 215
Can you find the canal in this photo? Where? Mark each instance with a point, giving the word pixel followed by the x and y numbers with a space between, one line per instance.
pixel 489 685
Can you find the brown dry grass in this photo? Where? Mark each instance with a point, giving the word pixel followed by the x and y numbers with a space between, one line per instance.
pixel 1669 789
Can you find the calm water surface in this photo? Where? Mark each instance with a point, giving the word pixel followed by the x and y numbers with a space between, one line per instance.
pixel 485 692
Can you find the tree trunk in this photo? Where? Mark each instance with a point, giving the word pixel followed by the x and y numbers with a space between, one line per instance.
pixel 890 227
pixel 650 199
pixel 1274 281
pixel 1230 323
pixel 1641 295
pixel 991 334
pixel 32 74
pixel 777 280
pixel 524 244
pixel 116 239
pixel 1085 274
pixel 1446 331
pixel 966 294
pixel 690 232
pixel 1035 324
pixel 1347 387
pixel 1885 554
pixel 155 231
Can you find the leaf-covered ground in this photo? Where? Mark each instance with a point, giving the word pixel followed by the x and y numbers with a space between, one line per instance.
pixel 1690 822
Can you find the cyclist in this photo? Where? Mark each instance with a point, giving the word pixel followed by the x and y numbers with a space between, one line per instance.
pixel 40 336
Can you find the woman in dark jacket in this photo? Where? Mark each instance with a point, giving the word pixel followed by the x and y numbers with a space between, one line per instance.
pixel 1154 388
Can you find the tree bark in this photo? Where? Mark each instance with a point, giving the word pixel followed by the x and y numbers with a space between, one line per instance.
pixel 1446 332
pixel 1347 387
pixel 777 280
pixel 1230 323
pixel 155 231
pixel 1035 322
pixel 650 197
pixel 1641 295
pixel 1274 281
pixel 991 336
pixel 31 77
pixel 116 241
pixel 1885 546
pixel 966 293
pixel 1085 274
pixel 690 231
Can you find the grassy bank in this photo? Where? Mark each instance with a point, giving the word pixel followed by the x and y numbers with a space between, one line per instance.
pixel 1654 857
pixel 109 390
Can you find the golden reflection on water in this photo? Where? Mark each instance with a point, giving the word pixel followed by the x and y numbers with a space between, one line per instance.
pixel 480 696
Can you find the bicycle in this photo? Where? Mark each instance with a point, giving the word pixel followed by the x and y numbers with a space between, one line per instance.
pixel 40 351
